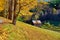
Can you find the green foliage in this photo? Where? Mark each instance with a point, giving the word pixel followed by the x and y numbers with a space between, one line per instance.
pixel 20 18
pixel 50 27
pixel 55 1
pixel 47 25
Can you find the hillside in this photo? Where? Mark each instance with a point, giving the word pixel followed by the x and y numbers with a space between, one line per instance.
pixel 23 31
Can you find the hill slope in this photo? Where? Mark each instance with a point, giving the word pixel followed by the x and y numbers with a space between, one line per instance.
pixel 23 31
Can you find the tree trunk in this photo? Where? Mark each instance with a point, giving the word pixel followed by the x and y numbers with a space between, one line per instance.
pixel 10 9
pixel 14 19
pixel 14 16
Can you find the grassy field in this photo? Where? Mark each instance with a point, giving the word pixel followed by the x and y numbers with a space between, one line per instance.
pixel 23 31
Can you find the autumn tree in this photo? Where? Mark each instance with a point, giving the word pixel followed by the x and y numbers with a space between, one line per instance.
pixel 15 15
pixel 10 9
pixel 26 6
pixel 16 7
pixel 2 3
pixel 22 5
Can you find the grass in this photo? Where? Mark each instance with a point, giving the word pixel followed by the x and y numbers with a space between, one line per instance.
pixel 23 31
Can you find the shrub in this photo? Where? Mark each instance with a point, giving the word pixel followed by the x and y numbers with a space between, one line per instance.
pixel 20 18
pixel 48 26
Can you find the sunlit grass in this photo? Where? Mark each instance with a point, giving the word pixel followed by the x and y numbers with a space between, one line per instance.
pixel 23 31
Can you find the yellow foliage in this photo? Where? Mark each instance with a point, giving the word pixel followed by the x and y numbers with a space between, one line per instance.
pixel 2 2
pixel 54 10
pixel 26 6
pixel 44 3
pixel 1 8
pixel 27 15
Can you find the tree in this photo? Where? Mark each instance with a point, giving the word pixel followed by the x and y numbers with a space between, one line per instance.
pixel 15 15
pixel 22 4
pixel 15 7
pixel 55 3
pixel 10 9
pixel 39 10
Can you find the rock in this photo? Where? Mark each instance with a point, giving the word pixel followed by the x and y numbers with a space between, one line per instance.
pixel 1 21
pixel 36 22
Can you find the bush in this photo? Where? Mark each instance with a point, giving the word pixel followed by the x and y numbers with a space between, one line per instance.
pixel 47 25
pixel 50 26
pixel 20 18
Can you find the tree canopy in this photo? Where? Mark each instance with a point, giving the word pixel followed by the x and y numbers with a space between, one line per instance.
pixel 2 3
pixel 17 7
